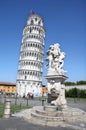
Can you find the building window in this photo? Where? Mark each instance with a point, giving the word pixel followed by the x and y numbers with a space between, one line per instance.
pixel 39 22
pixel 33 83
pixel 25 77
pixel 31 21
pixel 30 30
pixel 28 82
pixel 35 19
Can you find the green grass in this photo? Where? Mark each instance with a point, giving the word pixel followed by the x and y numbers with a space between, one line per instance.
pixel 14 108
pixel 1 110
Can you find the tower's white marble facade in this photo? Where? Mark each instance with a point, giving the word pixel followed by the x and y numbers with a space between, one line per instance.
pixel 29 77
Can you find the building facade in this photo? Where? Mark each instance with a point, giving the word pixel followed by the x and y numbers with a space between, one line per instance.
pixel 8 88
pixel 29 77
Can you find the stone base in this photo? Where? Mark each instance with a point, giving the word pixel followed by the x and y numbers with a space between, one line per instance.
pixel 50 108
pixel 50 116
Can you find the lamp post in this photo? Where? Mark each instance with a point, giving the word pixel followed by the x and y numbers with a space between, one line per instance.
pixel 43 96
pixel 16 99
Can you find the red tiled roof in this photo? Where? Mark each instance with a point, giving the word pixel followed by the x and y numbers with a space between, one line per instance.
pixel 7 83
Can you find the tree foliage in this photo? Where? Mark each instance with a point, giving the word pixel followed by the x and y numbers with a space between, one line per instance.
pixel 75 93
pixel 69 83
pixel 81 82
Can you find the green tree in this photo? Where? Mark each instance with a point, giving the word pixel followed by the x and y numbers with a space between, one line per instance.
pixel 72 92
pixel 75 93
pixel 81 82
pixel 69 83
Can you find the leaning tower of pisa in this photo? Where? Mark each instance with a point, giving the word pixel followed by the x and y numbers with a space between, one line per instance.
pixel 29 76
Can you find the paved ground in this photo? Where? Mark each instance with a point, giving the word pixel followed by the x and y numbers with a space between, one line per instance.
pixel 21 124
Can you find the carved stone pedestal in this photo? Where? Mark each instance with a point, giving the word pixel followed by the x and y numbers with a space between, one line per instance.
pixel 56 90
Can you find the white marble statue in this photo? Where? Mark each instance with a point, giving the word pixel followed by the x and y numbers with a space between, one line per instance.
pixel 50 57
pixel 56 59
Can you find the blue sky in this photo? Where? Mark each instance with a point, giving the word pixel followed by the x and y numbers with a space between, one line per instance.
pixel 64 22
